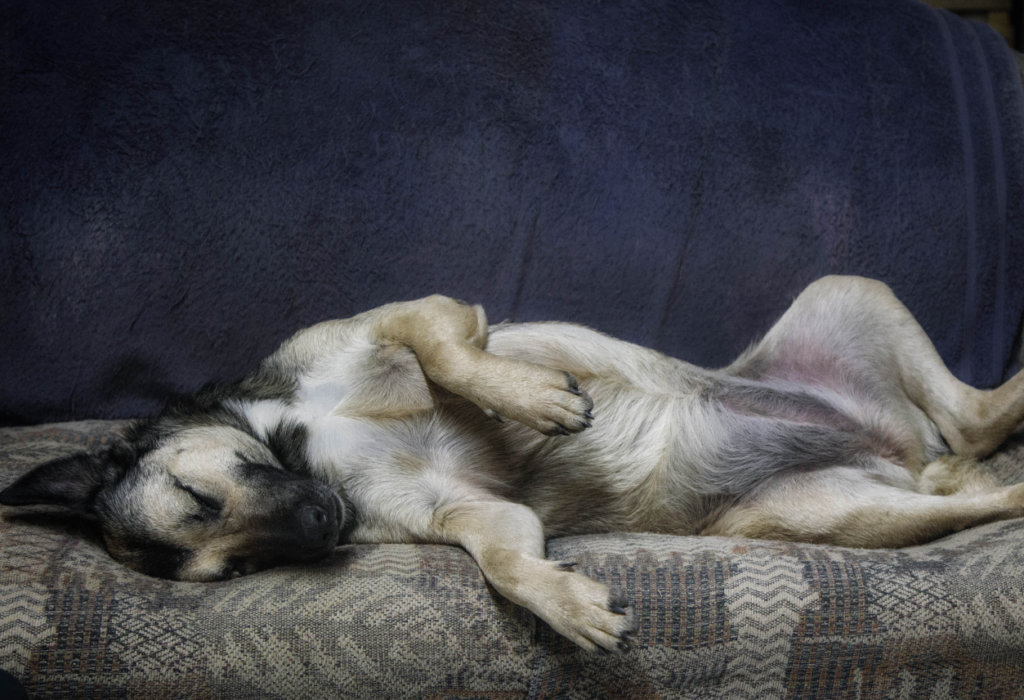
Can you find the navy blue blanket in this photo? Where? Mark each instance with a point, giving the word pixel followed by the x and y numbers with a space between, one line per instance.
pixel 184 184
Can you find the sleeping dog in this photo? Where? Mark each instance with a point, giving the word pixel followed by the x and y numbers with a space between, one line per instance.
pixel 415 422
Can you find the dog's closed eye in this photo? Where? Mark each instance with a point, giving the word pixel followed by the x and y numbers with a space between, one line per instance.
pixel 209 504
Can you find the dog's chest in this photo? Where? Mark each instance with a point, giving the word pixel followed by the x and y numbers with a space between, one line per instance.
pixel 330 440
pixel 396 470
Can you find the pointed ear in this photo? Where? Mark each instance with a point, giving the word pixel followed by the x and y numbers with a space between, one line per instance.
pixel 72 482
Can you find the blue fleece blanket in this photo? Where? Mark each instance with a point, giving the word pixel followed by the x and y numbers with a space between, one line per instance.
pixel 184 184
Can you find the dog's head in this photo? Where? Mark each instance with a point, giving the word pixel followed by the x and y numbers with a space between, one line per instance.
pixel 193 503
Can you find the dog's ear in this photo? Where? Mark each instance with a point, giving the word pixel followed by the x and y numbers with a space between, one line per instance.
pixel 72 482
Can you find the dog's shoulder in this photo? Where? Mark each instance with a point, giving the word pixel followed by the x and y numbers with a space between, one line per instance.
pixel 345 368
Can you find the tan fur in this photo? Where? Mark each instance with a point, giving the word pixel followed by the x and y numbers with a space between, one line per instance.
pixel 634 471
pixel 809 511
pixel 438 428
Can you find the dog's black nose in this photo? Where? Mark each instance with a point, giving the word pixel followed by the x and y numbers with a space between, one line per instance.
pixel 317 524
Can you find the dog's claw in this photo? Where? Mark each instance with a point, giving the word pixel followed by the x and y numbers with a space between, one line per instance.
pixel 617 610
pixel 494 415
pixel 617 599
pixel 566 565
pixel 589 416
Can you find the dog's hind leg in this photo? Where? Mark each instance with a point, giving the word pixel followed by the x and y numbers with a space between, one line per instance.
pixel 952 474
pixel 853 336
pixel 858 507
pixel 507 541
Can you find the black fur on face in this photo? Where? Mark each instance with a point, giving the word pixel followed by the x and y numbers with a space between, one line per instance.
pixel 208 407
pixel 288 442
pixel 289 517
pixel 155 558
pixel 278 518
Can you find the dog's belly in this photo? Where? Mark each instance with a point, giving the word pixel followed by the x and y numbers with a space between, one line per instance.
pixel 641 467
pixel 663 462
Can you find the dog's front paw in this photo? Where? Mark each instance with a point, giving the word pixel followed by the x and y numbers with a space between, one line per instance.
pixel 545 399
pixel 596 617
pixel 562 407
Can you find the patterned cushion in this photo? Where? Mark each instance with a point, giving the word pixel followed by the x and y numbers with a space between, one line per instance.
pixel 720 617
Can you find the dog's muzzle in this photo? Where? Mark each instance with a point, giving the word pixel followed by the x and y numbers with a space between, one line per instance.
pixel 321 524
pixel 301 519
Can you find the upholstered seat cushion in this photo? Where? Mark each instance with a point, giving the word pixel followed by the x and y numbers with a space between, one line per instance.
pixel 719 617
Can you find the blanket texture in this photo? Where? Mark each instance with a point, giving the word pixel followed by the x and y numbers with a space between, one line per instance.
pixel 183 184
pixel 720 618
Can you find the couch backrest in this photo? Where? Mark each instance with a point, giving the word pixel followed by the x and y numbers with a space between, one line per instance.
pixel 185 184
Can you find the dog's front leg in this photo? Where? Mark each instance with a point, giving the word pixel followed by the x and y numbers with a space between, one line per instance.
pixel 449 338
pixel 507 541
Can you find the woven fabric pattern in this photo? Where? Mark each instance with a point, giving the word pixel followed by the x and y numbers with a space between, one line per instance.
pixel 720 618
